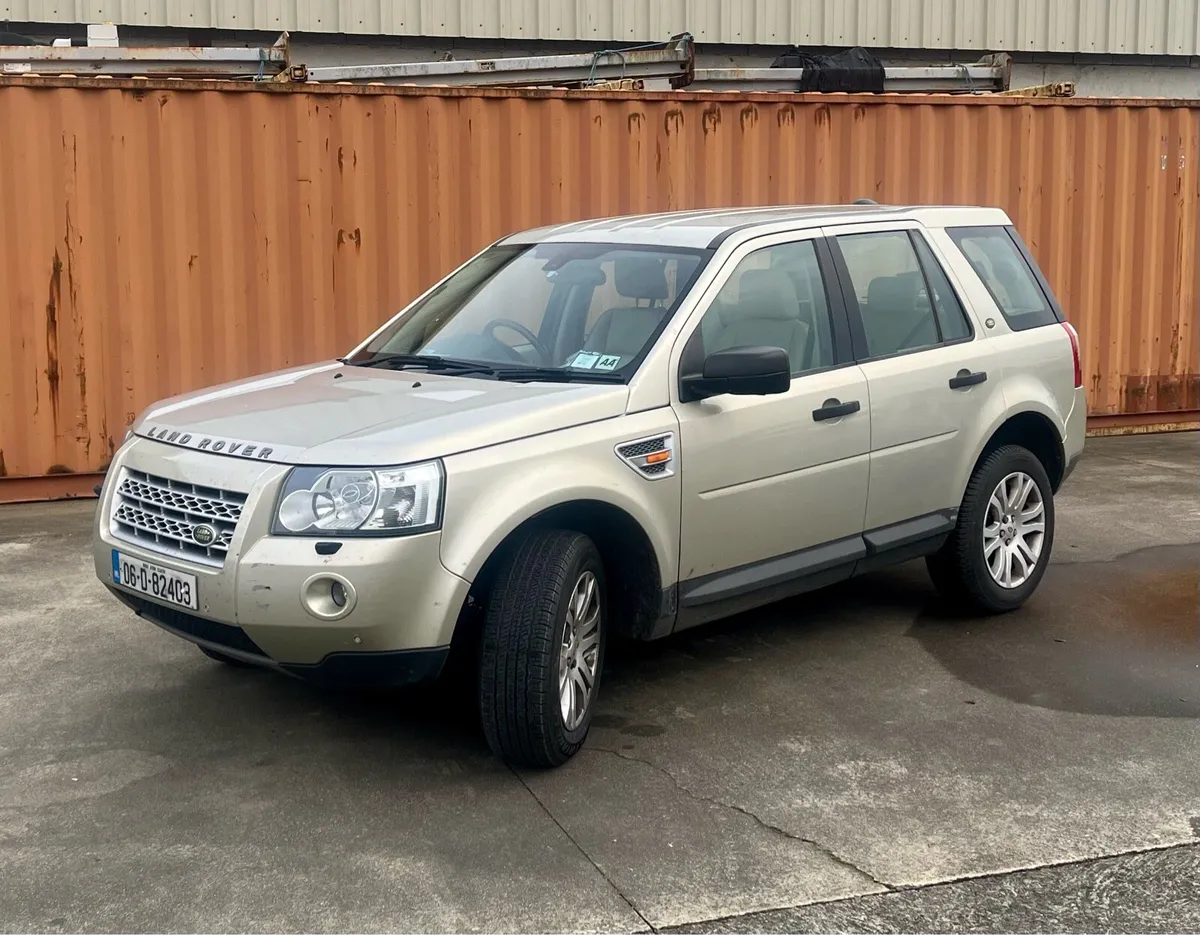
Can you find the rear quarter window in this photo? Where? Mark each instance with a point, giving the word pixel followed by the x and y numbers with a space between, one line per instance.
pixel 998 260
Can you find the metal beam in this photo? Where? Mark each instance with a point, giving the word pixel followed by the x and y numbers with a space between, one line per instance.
pixel 164 61
pixel 990 75
pixel 1054 89
pixel 673 60
pixel 1139 423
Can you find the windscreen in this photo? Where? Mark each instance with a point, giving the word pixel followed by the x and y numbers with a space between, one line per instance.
pixel 569 306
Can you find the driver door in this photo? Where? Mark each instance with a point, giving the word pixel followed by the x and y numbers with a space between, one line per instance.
pixel 774 487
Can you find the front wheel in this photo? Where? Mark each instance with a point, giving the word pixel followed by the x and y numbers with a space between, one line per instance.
pixel 996 556
pixel 543 649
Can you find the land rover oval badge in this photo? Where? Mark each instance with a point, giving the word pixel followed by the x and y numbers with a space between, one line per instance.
pixel 204 534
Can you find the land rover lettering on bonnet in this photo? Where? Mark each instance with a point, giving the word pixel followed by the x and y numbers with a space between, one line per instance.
pixel 207 443
pixel 579 435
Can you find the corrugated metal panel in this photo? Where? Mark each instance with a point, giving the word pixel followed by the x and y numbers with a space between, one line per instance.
pixel 1144 27
pixel 165 237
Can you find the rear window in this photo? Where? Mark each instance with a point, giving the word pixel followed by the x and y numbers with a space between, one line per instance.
pixel 999 263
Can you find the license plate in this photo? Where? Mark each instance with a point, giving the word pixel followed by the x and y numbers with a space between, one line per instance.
pixel 162 584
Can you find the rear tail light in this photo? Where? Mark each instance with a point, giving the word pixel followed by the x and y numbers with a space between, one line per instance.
pixel 1074 336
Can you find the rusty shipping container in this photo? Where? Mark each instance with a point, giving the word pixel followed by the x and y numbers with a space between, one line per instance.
pixel 163 236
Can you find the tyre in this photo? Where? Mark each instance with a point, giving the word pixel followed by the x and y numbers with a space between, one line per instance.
pixel 997 554
pixel 542 649
pixel 221 657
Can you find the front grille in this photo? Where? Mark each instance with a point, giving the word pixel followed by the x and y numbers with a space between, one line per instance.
pixel 161 515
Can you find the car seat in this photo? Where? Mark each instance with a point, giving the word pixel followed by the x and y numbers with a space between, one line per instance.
pixel 893 318
pixel 766 314
pixel 624 331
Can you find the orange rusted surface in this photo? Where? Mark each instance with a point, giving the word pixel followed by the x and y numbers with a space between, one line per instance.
pixel 163 236
pixel 50 487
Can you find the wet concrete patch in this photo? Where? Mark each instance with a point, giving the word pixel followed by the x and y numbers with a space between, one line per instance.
pixel 77 778
pixel 1118 638
pixel 622 725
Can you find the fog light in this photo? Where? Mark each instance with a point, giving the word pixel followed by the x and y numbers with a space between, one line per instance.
pixel 328 596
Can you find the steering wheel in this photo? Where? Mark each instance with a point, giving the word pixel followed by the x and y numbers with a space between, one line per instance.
pixel 489 330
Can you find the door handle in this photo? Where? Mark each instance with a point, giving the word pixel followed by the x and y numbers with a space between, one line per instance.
pixel 835 409
pixel 965 378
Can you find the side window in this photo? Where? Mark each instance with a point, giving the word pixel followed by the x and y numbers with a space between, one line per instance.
pixel 950 315
pixel 775 297
pixel 896 312
pixel 997 261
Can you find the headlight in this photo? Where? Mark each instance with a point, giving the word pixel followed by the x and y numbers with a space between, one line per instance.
pixel 360 501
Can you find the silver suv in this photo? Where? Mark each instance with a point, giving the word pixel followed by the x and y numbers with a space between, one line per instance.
pixel 614 428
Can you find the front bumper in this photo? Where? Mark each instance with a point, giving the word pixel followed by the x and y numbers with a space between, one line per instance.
pixel 259 605
pixel 336 670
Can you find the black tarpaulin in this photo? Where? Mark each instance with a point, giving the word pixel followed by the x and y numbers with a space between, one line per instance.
pixel 853 70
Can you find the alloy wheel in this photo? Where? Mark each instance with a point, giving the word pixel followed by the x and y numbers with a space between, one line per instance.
pixel 1014 529
pixel 579 653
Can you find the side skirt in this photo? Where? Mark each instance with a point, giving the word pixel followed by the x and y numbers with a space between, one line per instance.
pixel 725 593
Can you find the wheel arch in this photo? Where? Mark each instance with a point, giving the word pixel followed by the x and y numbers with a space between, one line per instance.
pixel 1035 431
pixel 636 597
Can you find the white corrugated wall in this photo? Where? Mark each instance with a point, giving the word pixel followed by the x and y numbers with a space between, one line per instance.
pixel 1138 27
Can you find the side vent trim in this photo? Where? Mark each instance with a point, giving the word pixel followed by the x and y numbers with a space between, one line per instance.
pixel 652 457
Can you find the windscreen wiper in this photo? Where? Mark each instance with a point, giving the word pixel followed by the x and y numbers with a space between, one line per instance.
pixel 556 375
pixel 427 361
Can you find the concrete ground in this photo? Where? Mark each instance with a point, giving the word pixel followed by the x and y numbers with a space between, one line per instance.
pixel 855 760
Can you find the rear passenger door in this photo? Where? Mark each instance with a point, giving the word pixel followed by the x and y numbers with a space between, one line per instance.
pixel 927 377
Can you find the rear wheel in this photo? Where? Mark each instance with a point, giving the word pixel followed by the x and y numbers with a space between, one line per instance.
pixel 543 649
pixel 221 657
pixel 995 558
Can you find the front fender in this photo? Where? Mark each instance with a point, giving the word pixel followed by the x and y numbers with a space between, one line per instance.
pixel 491 492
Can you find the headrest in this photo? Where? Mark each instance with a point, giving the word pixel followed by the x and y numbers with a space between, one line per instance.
pixel 1006 272
pixel 800 270
pixel 764 294
pixel 578 273
pixel 893 292
pixel 640 277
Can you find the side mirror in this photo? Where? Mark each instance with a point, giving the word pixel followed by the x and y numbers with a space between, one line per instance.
pixel 741 371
